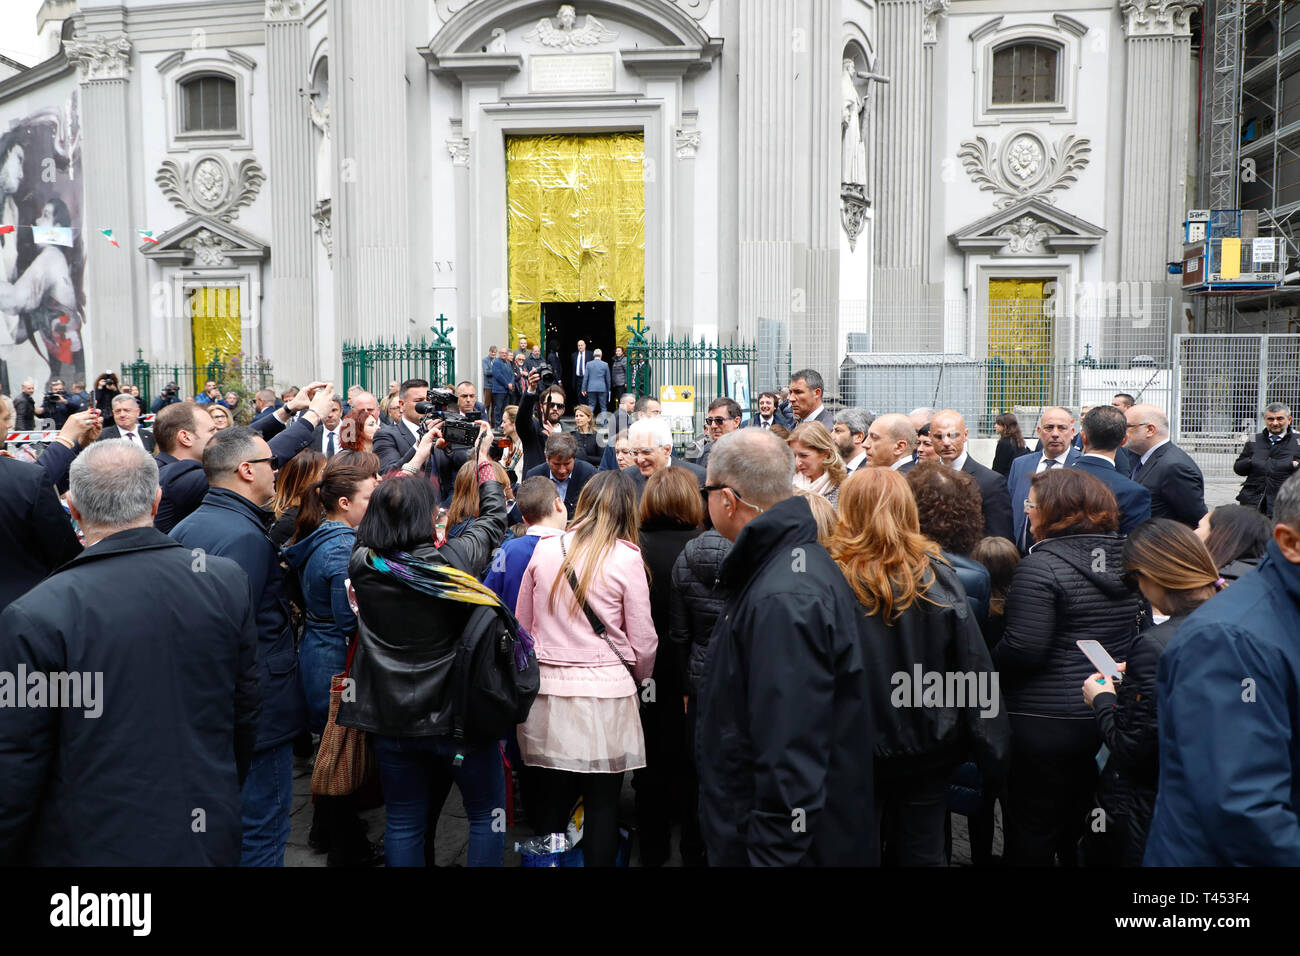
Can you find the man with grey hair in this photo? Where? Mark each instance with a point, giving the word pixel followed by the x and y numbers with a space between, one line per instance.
pixel 232 522
pixel 1227 698
pixel 1174 480
pixel 784 702
pixel 137 757
pixel 1268 459
pixel 652 449
pixel 806 388
pixel 850 434
pixel 126 424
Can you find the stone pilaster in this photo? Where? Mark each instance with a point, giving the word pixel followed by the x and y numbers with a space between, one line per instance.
pixel 371 215
pixel 290 336
pixel 1157 54
pixel 789 178
pixel 104 62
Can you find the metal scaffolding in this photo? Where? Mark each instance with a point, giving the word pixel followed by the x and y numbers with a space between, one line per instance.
pixel 1225 103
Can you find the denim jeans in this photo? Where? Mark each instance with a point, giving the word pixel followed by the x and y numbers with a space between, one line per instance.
pixel 410 767
pixel 320 656
pixel 267 801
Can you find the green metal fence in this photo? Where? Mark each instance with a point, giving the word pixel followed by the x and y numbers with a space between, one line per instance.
pixel 699 372
pixel 232 373
pixel 375 365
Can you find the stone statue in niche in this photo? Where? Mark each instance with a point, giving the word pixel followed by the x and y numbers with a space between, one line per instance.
pixel 855 117
pixel 320 118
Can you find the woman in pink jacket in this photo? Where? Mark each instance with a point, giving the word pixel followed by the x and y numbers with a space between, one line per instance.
pixel 584 730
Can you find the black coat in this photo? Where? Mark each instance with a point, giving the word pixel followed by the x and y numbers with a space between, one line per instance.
pixel 183 486
pixel 785 707
pixel 407 640
pixel 661 544
pixel 178 699
pixel 1266 466
pixel 230 526
pixel 112 431
pixel 24 412
pixel 36 534
pixel 638 479
pixel 935 635
pixel 1127 722
pixel 589 449
pixel 530 432
pixel 996 500
pixel 395 446
pixel 1176 485
pixel 1007 452
pixel 697 602
pixel 1066 589
pixel 1134 501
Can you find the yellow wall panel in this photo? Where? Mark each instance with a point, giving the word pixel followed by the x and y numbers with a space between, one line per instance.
pixel 214 316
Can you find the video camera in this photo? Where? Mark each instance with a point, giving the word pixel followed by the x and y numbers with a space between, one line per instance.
pixel 456 432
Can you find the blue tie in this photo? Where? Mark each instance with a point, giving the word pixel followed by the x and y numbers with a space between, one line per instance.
pixel 329 446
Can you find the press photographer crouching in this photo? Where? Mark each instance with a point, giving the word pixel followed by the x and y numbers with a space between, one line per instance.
pixel 415 600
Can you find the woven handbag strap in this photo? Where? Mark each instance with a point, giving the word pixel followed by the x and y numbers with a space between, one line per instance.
pixel 596 623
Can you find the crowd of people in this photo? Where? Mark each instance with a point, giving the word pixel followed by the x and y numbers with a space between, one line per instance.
pixel 811 637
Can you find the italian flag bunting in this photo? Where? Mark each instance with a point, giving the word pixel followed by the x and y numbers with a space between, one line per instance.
pixel 147 235
pixel 108 234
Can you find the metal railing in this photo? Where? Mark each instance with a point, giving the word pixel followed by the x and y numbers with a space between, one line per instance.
pixel 374 366
pixel 231 373
pixel 1221 386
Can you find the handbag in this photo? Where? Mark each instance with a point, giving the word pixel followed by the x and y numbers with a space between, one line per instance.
pixel 596 623
pixel 344 760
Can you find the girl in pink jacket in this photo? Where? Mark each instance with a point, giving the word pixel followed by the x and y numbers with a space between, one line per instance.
pixel 584 729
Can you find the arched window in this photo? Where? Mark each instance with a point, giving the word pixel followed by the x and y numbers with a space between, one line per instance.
pixel 1025 73
pixel 209 104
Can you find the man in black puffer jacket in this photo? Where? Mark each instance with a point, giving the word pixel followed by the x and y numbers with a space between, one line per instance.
pixel 698 600
pixel 1069 587
pixel 1268 460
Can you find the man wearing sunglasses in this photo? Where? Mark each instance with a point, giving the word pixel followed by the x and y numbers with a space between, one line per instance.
pixel 538 419
pixel 724 417
pixel 785 700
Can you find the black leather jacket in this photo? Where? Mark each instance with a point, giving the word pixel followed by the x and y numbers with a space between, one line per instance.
pixel 408 639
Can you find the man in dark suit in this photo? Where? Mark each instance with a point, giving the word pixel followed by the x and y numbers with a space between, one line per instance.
pixel 328 438
pixel 395 444
pixel 652 449
pixel 578 369
pixel 1055 450
pixel 949 435
pixel 623 415
pixel 126 424
pixel 1125 460
pixel 35 534
pixel 563 467
pixel 1268 460
pixel 1175 482
pixel 806 388
pixel 1104 428
pixel 768 413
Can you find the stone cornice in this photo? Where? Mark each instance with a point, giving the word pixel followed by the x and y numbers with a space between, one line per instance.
pixel 1144 18
pixel 284 10
pixel 100 57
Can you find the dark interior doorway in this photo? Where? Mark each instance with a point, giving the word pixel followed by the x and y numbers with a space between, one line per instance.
pixel 564 323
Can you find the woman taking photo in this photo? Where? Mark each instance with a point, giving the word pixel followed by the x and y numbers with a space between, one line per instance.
pixel 106 389
pixel 1237 538
pixel 1174 571
pixel 1069 587
pixel 914 621
pixel 589 449
pixel 818 466
pixel 584 730
pixel 671 514
pixel 415 600
pixel 298 474
pixel 327 521
pixel 1011 443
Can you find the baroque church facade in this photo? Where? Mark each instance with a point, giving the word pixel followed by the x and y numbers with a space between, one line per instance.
pixel 818 177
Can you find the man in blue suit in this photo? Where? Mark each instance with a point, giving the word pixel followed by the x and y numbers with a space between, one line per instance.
pixel 596 383
pixel 503 377
pixel 1104 429
pixel 1055 450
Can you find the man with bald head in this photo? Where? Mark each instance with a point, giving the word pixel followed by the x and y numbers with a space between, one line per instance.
pixel 1055 450
pixel 1176 484
pixel 891 439
pixel 949 435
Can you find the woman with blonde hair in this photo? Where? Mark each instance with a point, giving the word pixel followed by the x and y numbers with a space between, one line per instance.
pixel 584 432
pixel 818 466
pixel 586 601
pixel 823 513
pixel 915 622
pixel 220 414
pixel 513 459
pixel 1168 563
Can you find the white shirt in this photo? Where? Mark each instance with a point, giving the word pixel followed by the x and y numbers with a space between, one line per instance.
pixel 959 462
pixel 132 435
pixel 813 417
pixel 856 462
pixel 413 429
pixel 1151 451
pixel 325 439
pixel 1042 462
pixel 542 531
pixel 1094 454
pixel 900 463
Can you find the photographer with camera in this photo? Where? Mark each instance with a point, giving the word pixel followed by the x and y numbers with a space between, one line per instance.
pixel 56 405
pixel 397 444
pixel 168 396
pixel 106 389
pixel 534 428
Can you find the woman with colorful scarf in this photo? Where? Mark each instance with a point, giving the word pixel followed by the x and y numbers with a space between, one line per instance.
pixel 414 601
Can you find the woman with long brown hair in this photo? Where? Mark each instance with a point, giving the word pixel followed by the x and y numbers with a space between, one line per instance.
pixel 1011 443
pixel 357 430
pixel 1236 537
pixel 298 474
pixel 464 507
pixel 1175 572
pixel 818 466
pixel 586 602
pixel 915 623
pixel 1069 587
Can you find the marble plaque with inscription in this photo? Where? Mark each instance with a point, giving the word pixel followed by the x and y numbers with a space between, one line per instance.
pixel 571 73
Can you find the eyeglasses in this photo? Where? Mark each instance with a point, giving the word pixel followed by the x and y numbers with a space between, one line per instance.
pixel 554 404
pixel 258 461
pixel 715 421
pixel 1139 424
pixel 704 493
pixel 1030 506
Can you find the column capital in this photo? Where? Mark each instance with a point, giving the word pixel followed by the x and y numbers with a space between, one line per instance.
pixel 284 10
pixel 100 57
pixel 1145 18
pixel 933 11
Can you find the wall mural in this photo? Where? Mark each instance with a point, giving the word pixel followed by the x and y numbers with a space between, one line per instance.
pixel 42 252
